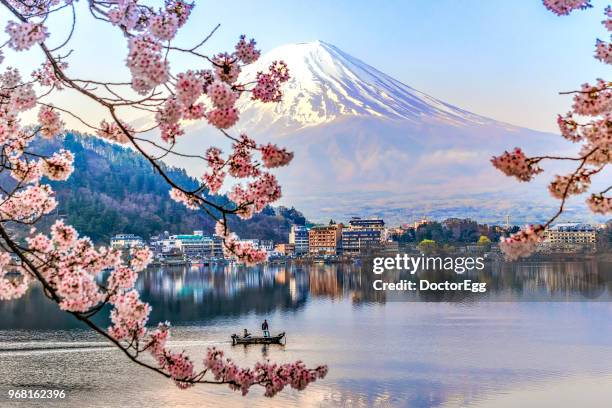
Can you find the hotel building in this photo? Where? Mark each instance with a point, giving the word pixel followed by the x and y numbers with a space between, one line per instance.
pixel 324 240
pixel 362 234
pixel 298 236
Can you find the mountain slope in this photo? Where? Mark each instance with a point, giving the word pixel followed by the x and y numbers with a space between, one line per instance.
pixel 327 84
pixel 115 190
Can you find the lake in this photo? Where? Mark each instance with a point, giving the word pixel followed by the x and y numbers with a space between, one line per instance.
pixel 541 336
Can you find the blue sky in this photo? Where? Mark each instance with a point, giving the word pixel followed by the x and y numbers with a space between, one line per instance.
pixel 505 60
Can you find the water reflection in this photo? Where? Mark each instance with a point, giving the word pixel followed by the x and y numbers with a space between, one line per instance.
pixel 451 350
pixel 184 294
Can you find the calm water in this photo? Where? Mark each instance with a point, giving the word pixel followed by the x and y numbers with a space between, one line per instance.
pixel 493 351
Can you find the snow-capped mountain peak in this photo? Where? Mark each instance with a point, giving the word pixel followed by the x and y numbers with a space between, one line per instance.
pixel 326 84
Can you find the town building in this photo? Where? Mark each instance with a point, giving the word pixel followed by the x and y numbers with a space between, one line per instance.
pixel 285 249
pixel 569 237
pixel 191 246
pixel 126 241
pixel 362 234
pixel 298 236
pixel 325 239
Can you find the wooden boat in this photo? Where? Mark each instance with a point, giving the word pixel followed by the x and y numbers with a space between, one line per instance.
pixel 236 339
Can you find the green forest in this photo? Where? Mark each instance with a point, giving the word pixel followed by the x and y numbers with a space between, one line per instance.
pixel 115 190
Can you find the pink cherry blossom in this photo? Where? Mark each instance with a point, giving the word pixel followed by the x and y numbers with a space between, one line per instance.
pixel 58 166
pixel 180 197
pixel 121 278
pixel 523 243
pixel 145 61
pixel 24 35
pixel 564 7
pixel 140 258
pixel 221 95
pixel 223 118
pixel 600 204
pixel 516 164
pixel 246 51
pixel 46 75
pixel 603 51
pixel 28 204
pixel 268 85
pixel 164 26
pixel 226 67
pixel 181 9
pixel 273 156
pixel 189 87
pixel 28 171
pixel 129 316
pixel 563 186
pixel 15 284
pixel 112 131
pixel 50 122
pixel 593 100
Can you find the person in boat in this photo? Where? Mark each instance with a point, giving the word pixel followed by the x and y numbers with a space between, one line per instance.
pixel 246 334
pixel 265 328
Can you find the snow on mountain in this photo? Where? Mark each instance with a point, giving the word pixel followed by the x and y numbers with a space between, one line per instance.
pixel 366 143
pixel 327 84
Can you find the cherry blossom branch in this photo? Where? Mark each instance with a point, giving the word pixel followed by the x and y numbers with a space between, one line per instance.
pixel 591 101
pixel 68 267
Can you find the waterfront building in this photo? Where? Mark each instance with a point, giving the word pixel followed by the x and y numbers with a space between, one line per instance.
pixel 362 234
pixel 191 246
pixel 298 236
pixel 324 239
pixel 569 237
pixel 285 249
pixel 266 244
pixel 126 241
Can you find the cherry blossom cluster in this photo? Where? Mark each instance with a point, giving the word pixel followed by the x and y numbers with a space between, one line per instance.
pixel 35 7
pixel 148 66
pixel 523 243
pixel 563 186
pixel 58 166
pixel 28 204
pixel 241 164
pixel 13 282
pixel 600 204
pixel 46 75
pixel 272 376
pixel 273 156
pixel 603 51
pixel 23 36
pixel 112 131
pixel 243 252
pixel 268 84
pixel 189 201
pixel 564 7
pixel 50 122
pixel 516 164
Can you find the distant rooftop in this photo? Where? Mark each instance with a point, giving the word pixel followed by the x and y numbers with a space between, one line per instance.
pixel 572 226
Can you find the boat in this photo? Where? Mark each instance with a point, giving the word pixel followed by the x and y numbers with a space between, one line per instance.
pixel 236 339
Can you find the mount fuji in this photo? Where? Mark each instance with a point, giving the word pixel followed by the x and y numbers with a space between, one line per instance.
pixel 367 144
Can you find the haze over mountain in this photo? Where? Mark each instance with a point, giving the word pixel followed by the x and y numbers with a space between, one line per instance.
pixel 368 144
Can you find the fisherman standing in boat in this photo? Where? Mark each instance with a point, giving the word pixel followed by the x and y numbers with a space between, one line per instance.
pixel 265 328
